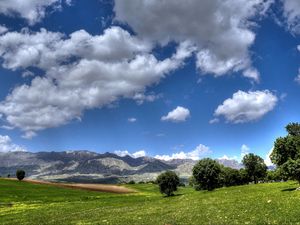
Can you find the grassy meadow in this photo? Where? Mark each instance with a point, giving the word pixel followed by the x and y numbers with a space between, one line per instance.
pixel 27 203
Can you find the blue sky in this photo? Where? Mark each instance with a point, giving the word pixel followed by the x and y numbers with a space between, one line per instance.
pixel 166 79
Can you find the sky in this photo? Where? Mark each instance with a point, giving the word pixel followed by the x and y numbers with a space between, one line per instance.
pixel 166 79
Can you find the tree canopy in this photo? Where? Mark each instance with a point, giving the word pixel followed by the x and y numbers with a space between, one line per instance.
pixel 168 182
pixel 286 152
pixel 255 167
pixel 207 174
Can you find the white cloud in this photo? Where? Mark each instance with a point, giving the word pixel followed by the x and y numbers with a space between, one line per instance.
pixel 267 159
pixel 132 120
pixel 291 12
pixel 225 157
pixel 81 72
pixel 140 98
pixel 244 150
pixel 3 29
pixel 297 79
pixel 31 10
pixel 180 114
pixel 214 120
pixel 122 153
pixel 6 145
pixel 247 106
pixel 252 73
pixel 138 154
pixel 220 30
pixel 196 154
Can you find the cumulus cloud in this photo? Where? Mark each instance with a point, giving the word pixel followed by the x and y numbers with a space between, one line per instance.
pixel 6 145
pixel 132 120
pixel 31 10
pixel 81 72
pixel 225 157
pixel 220 30
pixel 122 153
pixel 291 12
pixel 140 98
pixel 244 150
pixel 180 114
pixel 195 154
pixel 267 160
pixel 247 106
pixel 3 29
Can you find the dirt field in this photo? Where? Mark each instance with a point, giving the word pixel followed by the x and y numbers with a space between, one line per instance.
pixel 90 187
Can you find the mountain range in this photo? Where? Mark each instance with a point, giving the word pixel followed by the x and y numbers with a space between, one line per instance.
pixel 91 167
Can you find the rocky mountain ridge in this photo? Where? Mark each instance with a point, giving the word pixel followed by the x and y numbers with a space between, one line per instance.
pixel 91 167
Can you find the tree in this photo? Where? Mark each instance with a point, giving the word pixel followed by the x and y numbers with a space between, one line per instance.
pixel 274 175
pixel 207 174
pixel 291 169
pixel 168 182
pixel 286 152
pixel 230 177
pixel 255 167
pixel 20 174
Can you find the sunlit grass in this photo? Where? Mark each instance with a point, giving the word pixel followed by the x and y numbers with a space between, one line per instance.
pixel 25 203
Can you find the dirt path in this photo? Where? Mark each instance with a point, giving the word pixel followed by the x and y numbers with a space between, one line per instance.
pixel 90 187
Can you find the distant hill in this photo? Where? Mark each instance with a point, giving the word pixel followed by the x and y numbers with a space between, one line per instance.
pixel 91 167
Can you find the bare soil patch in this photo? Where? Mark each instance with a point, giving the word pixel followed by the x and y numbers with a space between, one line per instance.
pixel 91 187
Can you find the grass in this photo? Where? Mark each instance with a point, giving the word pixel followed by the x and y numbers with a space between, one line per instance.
pixel 26 203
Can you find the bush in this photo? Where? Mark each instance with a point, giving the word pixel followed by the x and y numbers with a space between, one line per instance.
pixel 168 182
pixel 131 182
pixel 207 174
pixel 20 174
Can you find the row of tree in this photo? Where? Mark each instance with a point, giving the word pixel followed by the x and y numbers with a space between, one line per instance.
pixel 208 174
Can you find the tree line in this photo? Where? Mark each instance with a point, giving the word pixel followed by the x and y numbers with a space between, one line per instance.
pixel 208 174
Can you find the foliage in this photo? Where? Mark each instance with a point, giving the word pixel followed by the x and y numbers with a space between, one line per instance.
pixel 131 182
pixel 274 175
pixel 168 182
pixel 20 174
pixel 255 167
pixel 286 152
pixel 207 174
pixel 291 169
pixel 230 177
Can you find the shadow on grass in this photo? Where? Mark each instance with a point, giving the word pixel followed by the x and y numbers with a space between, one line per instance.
pixel 289 189
pixel 174 195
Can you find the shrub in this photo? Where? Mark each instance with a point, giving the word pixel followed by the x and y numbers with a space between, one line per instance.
pixel 131 182
pixel 168 182
pixel 20 174
pixel 207 174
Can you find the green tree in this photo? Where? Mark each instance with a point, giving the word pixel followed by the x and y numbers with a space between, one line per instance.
pixel 20 174
pixel 287 147
pixel 291 169
pixel 168 182
pixel 230 177
pixel 286 152
pixel 255 167
pixel 274 175
pixel 207 174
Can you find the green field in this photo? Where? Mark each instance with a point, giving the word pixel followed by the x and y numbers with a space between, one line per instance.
pixel 26 203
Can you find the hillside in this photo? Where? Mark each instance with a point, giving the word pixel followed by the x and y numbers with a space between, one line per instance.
pixel 91 167
pixel 25 203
